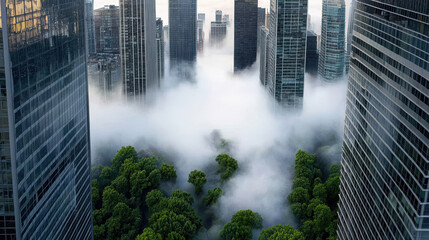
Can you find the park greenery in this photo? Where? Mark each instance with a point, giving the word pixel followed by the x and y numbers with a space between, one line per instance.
pixel 130 201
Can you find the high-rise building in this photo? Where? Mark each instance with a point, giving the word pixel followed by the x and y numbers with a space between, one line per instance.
pixel 200 37
pixel 183 32
pixel 89 20
pixel 332 51
pixel 286 52
pixel 45 182
pixel 226 19
pixel 245 33
pixel 217 33
pixel 218 16
pixel 107 29
pixel 202 16
pixel 312 55
pixel 160 49
pixel 263 47
pixel 350 34
pixel 384 176
pixel 138 49
pixel 261 16
pixel 104 72
pixel 267 20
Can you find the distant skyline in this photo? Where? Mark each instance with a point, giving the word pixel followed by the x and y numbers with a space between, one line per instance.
pixel 209 7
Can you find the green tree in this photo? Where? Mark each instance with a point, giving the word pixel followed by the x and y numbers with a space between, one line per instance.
pixel 235 231
pixel 227 165
pixel 281 232
pixel 183 195
pixel 149 234
pixel 322 218
pixel 154 178
pixel 155 200
pixel 121 184
pixel 300 210
pixel 198 179
pixel 106 176
pixel 248 218
pixel 147 164
pixel 95 196
pixel 299 195
pixel 319 191
pixel 99 232
pixel 96 171
pixel 168 172
pixel 333 189
pixel 111 198
pixel 166 221
pixel 124 153
pixel 212 196
pixel 124 223
pixel 139 183
pixel 301 182
pixel 128 167
pixel 175 236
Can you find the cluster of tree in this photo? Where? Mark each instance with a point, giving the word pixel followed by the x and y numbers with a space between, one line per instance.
pixel 227 166
pixel 172 218
pixel 313 202
pixel 241 225
pixel 118 193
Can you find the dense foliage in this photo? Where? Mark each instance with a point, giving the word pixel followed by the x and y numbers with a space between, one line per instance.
pixel 212 196
pixel 227 165
pixel 198 179
pixel 281 232
pixel 313 202
pixel 241 225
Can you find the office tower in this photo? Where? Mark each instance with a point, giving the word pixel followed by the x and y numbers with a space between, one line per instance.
pixel 263 37
pixel 245 33
pixel 89 20
pixel 286 51
pixel 218 16
pixel 309 26
pixel 45 185
pixel 202 16
pixel 183 32
pixel 107 29
pixel 160 49
pixel 104 72
pixel 312 55
pixel 200 37
pixel 267 20
pixel 332 52
pixel 384 176
pixel 261 16
pixel 350 34
pixel 226 19
pixel 138 49
pixel 217 33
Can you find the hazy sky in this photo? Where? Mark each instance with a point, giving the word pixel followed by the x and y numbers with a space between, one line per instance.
pixel 227 6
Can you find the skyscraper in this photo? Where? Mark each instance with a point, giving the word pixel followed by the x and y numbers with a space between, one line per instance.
pixel 45 185
pixel 332 51
pixel 183 32
pixel 384 176
pixel 225 19
pixel 160 49
pixel 138 49
pixel 312 55
pixel 263 46
pixel 349 36
pixel 261 16
pixel 218 16
pixel 202 16
pixel 245 33
pixel 286 52
pixel 107 29
pixel 200 37
pixel 89 15
pixel 217 33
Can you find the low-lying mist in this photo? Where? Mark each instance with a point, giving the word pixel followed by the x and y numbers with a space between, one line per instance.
pixel 263 138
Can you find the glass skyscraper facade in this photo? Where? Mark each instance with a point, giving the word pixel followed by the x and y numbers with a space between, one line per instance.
pixel 160 49
pixel 45 186
pixel 332 47
pixel 286 52
pixel 349 35
pixel 138 49
pixel 385 178
pixel 312 55
pixel 183 32
pixel 245 33
pixel 107 29
pixel 90 29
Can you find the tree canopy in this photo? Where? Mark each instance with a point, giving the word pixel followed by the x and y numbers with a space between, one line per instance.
pixel 198 179
pixel 227 165
pixel 241 225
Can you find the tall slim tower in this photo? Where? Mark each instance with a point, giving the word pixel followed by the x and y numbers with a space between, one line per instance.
pixel 332 48
pixel 384 176
pixel 89 15
pixel 245 33
pixel 45 185
pixel 349 35
pixel 107 29
pixel 218 15
pixel 183 32
pixel 312 55
pixel 160 49
pixel 138 49
pixel 286 52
